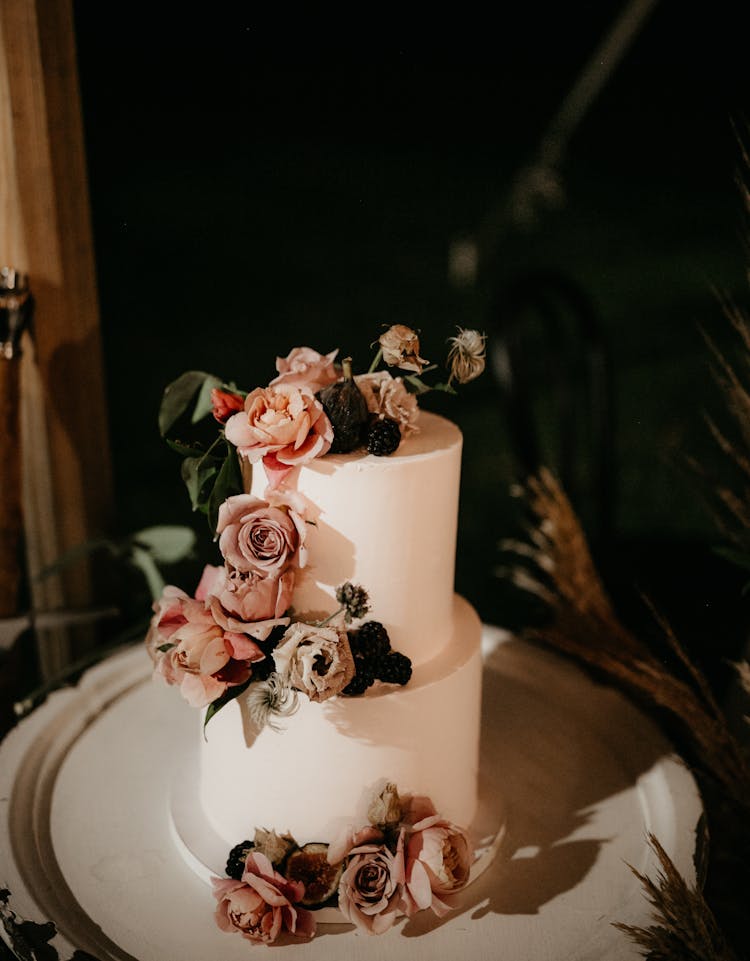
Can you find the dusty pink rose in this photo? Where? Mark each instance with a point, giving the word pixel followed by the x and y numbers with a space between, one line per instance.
pixel 225 403
pixel 284 421
pixel 371 890
pixel 246 603
pixel 305 367
pixel 262 905
pixel 388 396
pixel 349 838
pixel 438 860
pixel 256 537
pixel 202 658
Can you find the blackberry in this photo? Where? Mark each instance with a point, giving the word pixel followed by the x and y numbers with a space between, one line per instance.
pixel 383 436
pixel 236 861
pixel 373 640
pixel 393 668
pixel 363 677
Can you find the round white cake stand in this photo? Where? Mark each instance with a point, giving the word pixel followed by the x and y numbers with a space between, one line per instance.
pixel 90 867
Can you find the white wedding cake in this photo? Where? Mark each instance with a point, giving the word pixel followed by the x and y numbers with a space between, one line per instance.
pixel 338 674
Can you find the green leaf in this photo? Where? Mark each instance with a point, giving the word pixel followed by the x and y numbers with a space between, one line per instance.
pixel 167 543
pixel 203 405
pixel 446 388
pixel 229 695
pixel 179 395
pixel 734 556
pixel 196 473
pixel 163 648
pixel 185 449
pixel 228 483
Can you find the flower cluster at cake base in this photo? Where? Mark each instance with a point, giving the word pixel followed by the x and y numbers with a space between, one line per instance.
pixel 406 859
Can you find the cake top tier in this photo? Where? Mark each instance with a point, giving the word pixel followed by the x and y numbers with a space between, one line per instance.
pixel 389 524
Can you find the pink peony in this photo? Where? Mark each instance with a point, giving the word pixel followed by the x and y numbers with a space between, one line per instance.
pixel 284 421
pixel 262 904
pixel 372 887
pixel 305 367
pixel 438 859
pixel 246 603
pixel 225 403
pixel 256 537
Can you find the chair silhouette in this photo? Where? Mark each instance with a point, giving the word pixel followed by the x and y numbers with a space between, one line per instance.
pixel 549 357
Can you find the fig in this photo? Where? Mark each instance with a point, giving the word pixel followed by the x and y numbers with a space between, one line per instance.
pixel 309 864
pixel 346 408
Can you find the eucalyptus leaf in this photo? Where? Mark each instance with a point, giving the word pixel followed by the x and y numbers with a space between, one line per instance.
pixel 145 563
pixel 167 543
pixel 229 695
pixel 179 395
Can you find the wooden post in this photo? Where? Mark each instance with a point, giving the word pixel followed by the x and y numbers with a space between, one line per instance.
pixel 45 232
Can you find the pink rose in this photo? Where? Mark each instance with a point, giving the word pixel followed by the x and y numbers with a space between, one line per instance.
pixel 350 838
pixel 305 367
pixel 198 655
pixel 284 421
pixel 262 904
pixel 245 603
pixel 257 538
pixel 372 887
pixel 225 403
pixel 438 860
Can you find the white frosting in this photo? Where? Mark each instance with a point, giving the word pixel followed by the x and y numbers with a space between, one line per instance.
pixel 389 524
pixel 323 768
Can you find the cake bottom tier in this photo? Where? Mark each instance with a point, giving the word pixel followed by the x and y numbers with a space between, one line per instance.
pixel 323 769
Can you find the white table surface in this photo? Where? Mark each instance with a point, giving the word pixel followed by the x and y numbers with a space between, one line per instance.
pixel 580 774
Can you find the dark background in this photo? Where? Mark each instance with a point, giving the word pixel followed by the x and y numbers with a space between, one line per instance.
pixel 258 185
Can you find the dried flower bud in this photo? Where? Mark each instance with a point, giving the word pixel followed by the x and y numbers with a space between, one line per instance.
pixel 354 598
pixel 269 700
pixel 466 356
pixel 275 847
pixel 400 346
pixel 385 810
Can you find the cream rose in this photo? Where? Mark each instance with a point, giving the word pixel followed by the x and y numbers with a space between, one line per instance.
pixel 317 660
pixel 438 859
pixel 305 367
pixel 285 421
pixel 257 538
pixel 388 396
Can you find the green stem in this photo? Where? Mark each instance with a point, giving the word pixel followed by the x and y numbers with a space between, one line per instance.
pixel 331 617
pixel 376 360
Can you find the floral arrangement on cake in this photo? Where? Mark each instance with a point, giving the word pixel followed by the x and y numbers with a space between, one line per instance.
pixel 235 634
pixel 407 858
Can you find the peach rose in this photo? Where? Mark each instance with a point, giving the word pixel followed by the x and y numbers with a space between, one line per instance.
pixel 261 905
pixel 372 886
pixel 438 860
pixel 245 603
pixel 317 660
pixel 168 616
pixel 305 367
pixel 257 538
pixel 284 421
